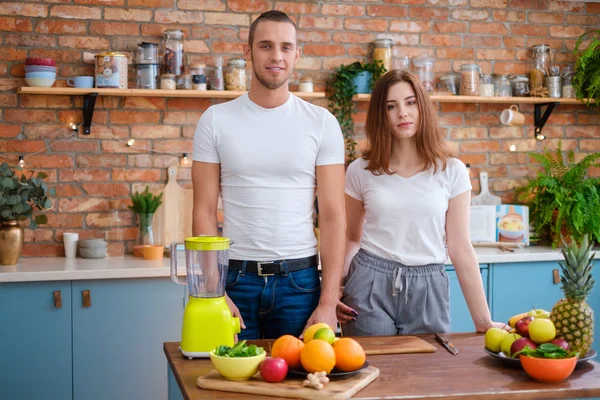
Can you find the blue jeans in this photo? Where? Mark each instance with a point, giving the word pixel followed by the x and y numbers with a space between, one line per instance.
pixel 274 305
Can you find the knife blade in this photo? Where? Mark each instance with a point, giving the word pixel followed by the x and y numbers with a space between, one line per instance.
pixel 446 343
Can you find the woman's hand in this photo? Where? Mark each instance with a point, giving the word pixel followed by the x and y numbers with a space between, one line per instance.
pixel 344 313
pixel 483 328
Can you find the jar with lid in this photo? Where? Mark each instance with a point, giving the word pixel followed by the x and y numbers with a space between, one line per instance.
pixel 567 82
pixel 171 52
pixel 520 86
pixel 502 86
pixel 541 63
pixel 167 82
pixel 470 75
pixel 382 52
pixel 424 69
pixel 235 74
pixel 306 85
pixel 184 82
pixel 486 86
pixel 199 82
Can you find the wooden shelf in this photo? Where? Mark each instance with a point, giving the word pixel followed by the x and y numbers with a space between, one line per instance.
pixel 204 94
pixel 489 100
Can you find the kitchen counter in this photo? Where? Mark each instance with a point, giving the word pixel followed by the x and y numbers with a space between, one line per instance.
pixel 472 374
pixel 59 268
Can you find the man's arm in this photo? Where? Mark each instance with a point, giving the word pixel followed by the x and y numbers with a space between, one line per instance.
pixel 205 180
pixel 330 196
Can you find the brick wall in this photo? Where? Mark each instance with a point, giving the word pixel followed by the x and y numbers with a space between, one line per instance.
pixel 89 170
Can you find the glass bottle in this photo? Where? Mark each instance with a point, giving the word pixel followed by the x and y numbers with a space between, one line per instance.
pixel 470 75
pixel 145 234
pixel 382 52
pixel 171 52
pixel 116 226
pixel 235 74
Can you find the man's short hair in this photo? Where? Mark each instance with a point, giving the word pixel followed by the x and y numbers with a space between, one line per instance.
pixel 273 15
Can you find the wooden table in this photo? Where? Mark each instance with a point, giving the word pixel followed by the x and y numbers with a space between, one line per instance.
pixel 472 374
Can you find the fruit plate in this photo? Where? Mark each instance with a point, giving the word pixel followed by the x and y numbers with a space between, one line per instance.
pixel 516 362
pixel 334 375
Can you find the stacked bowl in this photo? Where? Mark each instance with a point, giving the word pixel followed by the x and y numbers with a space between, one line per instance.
pixel 40 72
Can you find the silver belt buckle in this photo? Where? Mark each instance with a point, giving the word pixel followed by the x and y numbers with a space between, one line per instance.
pixel 259 268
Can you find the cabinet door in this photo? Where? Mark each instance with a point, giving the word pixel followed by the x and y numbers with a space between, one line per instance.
pixel 460 317
pixel 35 341
pixel 518 287
pixel 118 338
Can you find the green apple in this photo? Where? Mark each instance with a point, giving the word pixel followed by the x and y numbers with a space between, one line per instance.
pixel 507 342
pixel 493 339
pixel 539 313
pixel 541 330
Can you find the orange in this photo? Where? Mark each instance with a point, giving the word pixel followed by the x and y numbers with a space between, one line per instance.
pixel 288 347
pixel 349 355
pixel 317 356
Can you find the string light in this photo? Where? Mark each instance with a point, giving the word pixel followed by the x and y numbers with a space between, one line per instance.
pixel 21 161
pixel 21 158
pixel 468 168
pixel 539 136
pixel 185 161
pixel 512 147
pixel 130 142
pixel 73 127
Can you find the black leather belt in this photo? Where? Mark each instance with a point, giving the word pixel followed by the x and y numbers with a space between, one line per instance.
pixel 266 268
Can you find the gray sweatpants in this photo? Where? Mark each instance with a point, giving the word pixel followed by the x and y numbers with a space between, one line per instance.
pixel 394 299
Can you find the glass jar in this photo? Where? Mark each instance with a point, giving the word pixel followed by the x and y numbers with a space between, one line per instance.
pixel 553 84
pixel 167 82
pixel 306 85
pixel 502 86
pixel 567 83
pixel 184 82
pixel 146 76
pixel 214 75
pixel 450 83
pixel 424 69
pixel 520 86
pixel 541 57
pixel 235 74
pixel 171 52
pixel 199 82
pixel 486 86
pixel 382 52
pixel 470 75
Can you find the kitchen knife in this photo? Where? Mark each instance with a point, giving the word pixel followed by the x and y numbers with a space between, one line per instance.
pixel 446 343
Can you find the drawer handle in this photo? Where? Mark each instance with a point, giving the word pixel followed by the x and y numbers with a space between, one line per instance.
pixel 87 298
pixel 57 299
pixel 556 276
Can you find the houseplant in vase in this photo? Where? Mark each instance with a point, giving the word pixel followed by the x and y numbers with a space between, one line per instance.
pixel 144 205
pixel 586 81
pixel 562 198
pixel 19 196
pixel 340 89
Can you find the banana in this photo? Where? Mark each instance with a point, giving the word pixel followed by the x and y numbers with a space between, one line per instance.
pixel 513 320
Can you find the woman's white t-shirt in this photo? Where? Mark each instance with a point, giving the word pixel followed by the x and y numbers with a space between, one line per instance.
pixel 405 218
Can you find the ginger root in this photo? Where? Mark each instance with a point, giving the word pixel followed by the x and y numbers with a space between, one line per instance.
pixel 316 381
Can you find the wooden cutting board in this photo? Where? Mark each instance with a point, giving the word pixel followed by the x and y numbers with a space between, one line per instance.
pixel 340 389
pixel 167 223
pixel 394 345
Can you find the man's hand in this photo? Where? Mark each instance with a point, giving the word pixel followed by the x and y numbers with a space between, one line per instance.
pixel 323 313
pixel 236 313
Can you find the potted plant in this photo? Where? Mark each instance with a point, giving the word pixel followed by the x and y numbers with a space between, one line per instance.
pixel 145 205
pixel 19 196
pixel 586 81
pixel 563 199
pixel 340 89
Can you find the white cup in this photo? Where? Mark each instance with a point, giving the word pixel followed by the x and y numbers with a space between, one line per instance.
pixel 70 240
pixel 81 82
pixel 512 116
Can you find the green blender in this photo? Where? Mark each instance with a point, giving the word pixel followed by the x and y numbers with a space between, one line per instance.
pixel 207 320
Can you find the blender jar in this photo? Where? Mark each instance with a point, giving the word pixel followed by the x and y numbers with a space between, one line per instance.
pixel 423 68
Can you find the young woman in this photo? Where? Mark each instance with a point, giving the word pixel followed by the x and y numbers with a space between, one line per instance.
pixel 407 198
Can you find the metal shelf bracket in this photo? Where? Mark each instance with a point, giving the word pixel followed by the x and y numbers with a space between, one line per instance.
pixel 89 101
pixel 540 120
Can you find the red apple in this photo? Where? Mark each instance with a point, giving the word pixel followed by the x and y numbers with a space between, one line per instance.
pixel 520 344
pixel 273 369
pixel 522 326
pixel 561 342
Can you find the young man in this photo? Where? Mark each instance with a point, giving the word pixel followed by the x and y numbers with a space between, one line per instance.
pixel 266 151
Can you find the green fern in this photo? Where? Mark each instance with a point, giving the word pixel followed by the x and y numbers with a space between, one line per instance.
pixel 563 196
pixel 586 80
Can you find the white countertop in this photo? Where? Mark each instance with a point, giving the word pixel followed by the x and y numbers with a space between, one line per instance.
pixel 62 269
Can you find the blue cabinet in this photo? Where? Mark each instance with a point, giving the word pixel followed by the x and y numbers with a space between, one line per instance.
pixel 460 317
pixel 35 341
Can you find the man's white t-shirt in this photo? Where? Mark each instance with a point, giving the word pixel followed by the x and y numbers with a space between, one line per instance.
pixel 268 160
pixel 405 218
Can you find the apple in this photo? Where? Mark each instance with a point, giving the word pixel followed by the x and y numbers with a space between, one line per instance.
pixel 542 330
pixel 520 344
pixel 273 369
pixel 493 339
pixel 539 313
pixel 522 326
pixel 507 343
pixel 562 343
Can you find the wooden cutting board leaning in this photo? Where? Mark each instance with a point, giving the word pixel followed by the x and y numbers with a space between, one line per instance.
pixel 485 197
pixel 337 389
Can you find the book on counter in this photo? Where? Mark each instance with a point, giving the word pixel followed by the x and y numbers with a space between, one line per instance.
pixel 503 223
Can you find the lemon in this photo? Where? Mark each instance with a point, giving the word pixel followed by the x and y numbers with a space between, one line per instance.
pixel 325 334
pixel 309 333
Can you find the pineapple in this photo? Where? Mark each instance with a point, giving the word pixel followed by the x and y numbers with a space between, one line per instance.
pixel 572 316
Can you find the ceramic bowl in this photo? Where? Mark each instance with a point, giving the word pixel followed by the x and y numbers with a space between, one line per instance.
pixel 40 82
pixel 39 61
pixel 91 243
pixel 92 252
pixel 40 74
pixel 548 369
pixel 237 368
